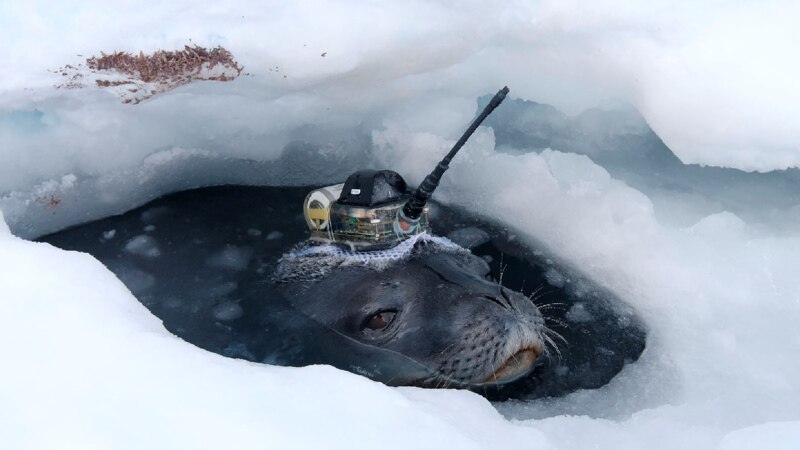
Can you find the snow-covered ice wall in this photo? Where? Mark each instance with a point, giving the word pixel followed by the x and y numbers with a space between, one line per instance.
pixel 332 86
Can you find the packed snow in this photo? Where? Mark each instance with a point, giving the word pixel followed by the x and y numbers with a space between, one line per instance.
pixel 329 87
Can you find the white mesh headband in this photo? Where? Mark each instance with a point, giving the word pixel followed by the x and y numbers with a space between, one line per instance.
pixel 311 262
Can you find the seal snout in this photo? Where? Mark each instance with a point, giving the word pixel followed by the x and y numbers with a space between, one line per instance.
pixel 516 366
pixel 522 324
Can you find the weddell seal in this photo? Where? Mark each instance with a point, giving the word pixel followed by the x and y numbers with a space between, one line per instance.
pixel 426 303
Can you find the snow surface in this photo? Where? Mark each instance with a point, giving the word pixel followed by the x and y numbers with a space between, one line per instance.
pixel 86 366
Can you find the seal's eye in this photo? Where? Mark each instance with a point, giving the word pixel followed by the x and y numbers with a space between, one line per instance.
pixel 379 320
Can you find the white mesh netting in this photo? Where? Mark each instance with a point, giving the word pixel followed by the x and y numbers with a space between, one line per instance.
pixel 311 261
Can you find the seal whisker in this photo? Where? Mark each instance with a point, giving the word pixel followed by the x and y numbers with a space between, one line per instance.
pixel 537 294
pixel 447 380
pixel 558 322
pixel 551 306
pixel 514 357
pixel 547 339
pixel 545 348
pixel 502 270
pixel 436 377
pixel 535 291
pixel 547 353
pixel 555 334
pixel 441 379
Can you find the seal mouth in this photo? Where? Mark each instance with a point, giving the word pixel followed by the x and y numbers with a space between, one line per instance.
pixel 516 366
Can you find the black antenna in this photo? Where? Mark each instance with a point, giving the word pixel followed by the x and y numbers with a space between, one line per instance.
pixel 413 209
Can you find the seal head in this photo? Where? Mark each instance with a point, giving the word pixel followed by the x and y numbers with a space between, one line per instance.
pixel 426 300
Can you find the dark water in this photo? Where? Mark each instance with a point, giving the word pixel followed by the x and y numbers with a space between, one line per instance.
pixel 199 260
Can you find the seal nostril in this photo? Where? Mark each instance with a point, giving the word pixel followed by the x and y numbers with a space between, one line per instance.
pixel 496 300
pixel 504 293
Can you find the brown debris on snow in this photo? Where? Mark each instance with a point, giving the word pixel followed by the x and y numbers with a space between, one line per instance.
pixel 168 66
pixel 107 83
pixel 145 75
pixel 72 77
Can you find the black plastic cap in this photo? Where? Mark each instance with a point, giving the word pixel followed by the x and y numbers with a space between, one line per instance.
pixel 373 187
